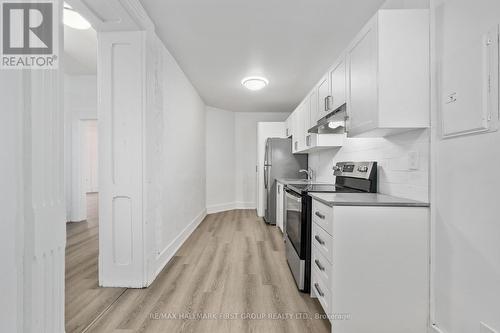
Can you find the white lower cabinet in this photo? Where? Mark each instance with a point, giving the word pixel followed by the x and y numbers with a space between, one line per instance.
pixel 371 274
pixel 280 198
pixel 321 290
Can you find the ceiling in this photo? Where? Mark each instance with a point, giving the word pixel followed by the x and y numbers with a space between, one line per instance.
pixel 80 51
pixel 290 42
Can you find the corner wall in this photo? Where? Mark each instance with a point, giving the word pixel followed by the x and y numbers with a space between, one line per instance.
pixel 232 157
pixel 220 160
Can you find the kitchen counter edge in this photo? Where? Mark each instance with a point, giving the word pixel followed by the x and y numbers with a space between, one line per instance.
pixel 365 199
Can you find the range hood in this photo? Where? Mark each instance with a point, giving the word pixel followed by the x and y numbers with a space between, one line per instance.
pixel 332 123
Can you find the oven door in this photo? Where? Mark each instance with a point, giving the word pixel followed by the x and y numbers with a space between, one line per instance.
pixel 294 221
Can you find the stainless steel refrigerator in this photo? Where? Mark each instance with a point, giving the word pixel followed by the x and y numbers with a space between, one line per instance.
pixel 279 162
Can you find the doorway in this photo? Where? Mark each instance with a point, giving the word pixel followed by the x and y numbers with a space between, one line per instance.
pixel 84 299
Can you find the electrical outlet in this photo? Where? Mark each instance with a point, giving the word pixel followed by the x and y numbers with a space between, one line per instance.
pixel 483 328
pixel 413 160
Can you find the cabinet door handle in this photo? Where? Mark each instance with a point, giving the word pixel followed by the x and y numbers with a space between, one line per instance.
pixel 296 145
pixel 329 102
pixel 346 124
pixel 308 140
pixel 319 240
pixel 325 103
pixel 321 268
pixel 318 289
pixel 321 216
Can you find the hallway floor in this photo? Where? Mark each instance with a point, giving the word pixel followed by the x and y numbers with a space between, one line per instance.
pixel 84 299
pixel 232 265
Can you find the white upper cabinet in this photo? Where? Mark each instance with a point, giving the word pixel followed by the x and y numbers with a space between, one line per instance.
pixel 313 108
pixel 338 84
pixel 323 97
pixel 363 83
pixel 296 130
pixel 383 78
pixel 308 142
pixel 302 115
pixel 288 126
pixel 388 74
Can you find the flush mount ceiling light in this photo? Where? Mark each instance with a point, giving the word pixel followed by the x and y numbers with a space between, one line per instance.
pixel 254 82
pixel 73 19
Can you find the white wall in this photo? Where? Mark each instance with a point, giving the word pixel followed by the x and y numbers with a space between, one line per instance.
pixel 182 167
pixel 89 156
pixel 402 4
pixel 80 103
pixel 232 157
pixel 220 159
pixel 391 153
pixel 184 148
pixel 465 191
pixel 245 130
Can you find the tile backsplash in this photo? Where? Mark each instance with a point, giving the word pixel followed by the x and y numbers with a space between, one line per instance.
pixel 403 162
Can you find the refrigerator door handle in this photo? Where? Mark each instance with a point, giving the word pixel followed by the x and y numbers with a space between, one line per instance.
pixel 265 177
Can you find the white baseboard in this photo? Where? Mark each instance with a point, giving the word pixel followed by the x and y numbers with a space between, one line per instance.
pixel 71 221
pixel 220 207
pixel 230 206
pixel 245 205
pixel 78 218
pixel 171 249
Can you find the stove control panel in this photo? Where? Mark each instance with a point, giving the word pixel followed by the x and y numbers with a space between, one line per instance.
pixel 362 170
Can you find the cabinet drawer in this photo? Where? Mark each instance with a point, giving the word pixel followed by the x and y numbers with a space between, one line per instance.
pixel 320 289
pixel 323 216
pixel 323 241
pixel 322 265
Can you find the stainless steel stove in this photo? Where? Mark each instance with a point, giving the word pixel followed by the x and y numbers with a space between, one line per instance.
pixel 351 177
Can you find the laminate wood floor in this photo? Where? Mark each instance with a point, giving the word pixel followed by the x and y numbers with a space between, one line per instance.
pixel 230 275
pixel 84 299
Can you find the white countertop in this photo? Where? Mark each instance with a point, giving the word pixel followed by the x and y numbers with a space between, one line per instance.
pixel 365 199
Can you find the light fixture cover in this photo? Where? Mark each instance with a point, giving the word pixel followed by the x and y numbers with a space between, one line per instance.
pixel 74 20
pixel 254 82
